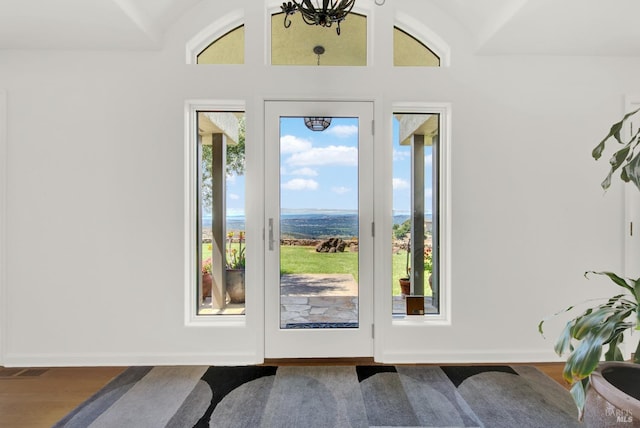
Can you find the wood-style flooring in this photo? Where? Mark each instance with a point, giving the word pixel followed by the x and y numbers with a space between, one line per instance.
pixel 34 398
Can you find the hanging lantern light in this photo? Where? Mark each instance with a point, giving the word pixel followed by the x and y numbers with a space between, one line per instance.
pixel 317 123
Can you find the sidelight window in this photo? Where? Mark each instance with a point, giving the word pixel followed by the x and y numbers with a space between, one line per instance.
pixel 415 241
pixel 220 230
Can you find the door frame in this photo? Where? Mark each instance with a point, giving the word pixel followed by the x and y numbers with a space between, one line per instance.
pixel 631 207
pixel 307 343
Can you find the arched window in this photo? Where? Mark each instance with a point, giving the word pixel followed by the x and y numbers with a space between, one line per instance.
pixel 227 49
pixel 302 44
pixel 409 51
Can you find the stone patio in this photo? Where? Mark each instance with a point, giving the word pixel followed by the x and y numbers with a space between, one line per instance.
pixel 321 300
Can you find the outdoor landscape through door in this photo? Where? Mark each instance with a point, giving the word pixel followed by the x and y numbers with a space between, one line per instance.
pixel 318 229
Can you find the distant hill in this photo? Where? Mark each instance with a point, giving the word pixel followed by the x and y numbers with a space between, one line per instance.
pixel 310 224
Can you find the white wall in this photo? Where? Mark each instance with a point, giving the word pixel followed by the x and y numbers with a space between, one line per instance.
pixel 95 192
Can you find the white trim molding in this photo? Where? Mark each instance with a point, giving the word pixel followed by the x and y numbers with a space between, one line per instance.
pixel 631 203
pixel 217 358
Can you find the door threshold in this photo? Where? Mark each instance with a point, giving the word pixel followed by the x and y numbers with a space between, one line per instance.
pixel 340 361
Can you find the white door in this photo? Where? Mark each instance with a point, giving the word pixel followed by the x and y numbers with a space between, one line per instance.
pixel 318 229
pixel 632 210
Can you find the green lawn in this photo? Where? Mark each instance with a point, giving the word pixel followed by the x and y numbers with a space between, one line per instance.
pixel 296 259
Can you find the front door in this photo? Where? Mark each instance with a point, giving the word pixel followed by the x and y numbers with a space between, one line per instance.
pixel 632 210
pixel 318 229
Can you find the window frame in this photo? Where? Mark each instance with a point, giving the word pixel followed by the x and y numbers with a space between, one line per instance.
pixel 443 222
pixel 192 214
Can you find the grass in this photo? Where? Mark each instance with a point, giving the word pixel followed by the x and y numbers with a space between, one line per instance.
pixel 296 259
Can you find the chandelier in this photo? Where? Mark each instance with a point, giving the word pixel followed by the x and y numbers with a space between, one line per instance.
pixel 331 11
pixel 317 123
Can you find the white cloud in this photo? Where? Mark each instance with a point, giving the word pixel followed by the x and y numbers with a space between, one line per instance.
pixel 300 184
pixel 343 131
pixel 293 144
pixel 399 183
pixel 233 196
pixel 326 156
pixel 231 178
pixel 399 155
pixel 309 172
pixel 340 190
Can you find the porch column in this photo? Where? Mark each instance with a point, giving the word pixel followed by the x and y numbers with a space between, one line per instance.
pixel 417 215
pixel 218 211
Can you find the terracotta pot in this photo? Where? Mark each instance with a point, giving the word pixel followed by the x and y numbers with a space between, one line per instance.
pixel 207 282
pixel 235 285
pixel 405 286
pixel 613 398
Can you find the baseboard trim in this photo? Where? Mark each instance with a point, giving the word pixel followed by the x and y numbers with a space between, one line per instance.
pixel 240 359
pixel 465 357
pixel 114 360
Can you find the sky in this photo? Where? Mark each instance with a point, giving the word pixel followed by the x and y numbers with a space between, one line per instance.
pixel 319 170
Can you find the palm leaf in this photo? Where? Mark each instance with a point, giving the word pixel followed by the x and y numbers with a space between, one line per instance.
pixel 613 277
pixel 630 170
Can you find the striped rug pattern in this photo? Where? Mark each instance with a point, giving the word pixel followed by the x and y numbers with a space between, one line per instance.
pixel 328 396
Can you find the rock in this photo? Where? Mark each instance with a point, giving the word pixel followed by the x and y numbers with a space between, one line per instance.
pixel 331 245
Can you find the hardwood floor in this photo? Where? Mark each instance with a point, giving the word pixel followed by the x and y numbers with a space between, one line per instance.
pixel 42 400
pixel 34 398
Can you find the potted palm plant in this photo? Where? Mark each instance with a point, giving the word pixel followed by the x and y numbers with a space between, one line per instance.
pixel 606 393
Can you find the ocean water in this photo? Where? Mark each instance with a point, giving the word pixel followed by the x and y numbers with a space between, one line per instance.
pixel 311 224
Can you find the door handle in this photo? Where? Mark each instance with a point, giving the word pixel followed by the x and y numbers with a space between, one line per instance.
pixel 271 234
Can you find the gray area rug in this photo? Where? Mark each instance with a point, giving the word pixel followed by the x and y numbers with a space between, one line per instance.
pixel 328 396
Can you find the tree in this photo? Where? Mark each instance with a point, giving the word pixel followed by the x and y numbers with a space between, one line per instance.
pixel 235 153
pixel 235 164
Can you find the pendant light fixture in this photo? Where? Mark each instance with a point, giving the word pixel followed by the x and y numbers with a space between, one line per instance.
pixel 317 123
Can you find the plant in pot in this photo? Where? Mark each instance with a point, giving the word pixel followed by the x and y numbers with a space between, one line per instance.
pixel 606 393
pixel 405 281
pixel 428 264
pixel 401 235
pixel 235 268
pixel 207 280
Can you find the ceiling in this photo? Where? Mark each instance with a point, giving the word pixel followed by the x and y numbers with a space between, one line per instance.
pixel 566 27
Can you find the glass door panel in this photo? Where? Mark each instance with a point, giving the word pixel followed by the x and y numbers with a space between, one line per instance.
pixel 319 222
pixel 318 226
